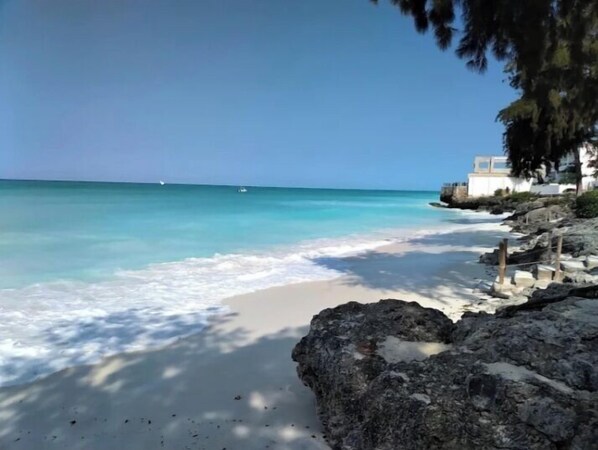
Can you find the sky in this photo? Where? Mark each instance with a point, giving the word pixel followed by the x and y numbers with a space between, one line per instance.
pixel 312 93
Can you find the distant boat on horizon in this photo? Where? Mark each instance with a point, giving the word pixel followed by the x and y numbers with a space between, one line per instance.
pixel 162 183
pixel 241 189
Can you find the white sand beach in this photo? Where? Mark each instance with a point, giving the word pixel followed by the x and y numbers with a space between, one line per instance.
pixel 234 386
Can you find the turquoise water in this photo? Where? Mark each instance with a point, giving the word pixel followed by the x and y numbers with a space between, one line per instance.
pixel 86 231
pixel 93 269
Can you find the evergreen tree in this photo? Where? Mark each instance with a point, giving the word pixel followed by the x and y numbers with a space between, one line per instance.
pixel 550 52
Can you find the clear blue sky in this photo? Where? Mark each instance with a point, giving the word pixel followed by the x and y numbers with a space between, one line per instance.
pixel 337 93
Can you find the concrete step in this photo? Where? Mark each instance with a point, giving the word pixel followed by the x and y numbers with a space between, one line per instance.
pixel 545 272
pixel 522 278
pixel 542 284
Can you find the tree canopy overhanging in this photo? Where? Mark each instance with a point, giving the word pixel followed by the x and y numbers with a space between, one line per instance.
pixel 550 53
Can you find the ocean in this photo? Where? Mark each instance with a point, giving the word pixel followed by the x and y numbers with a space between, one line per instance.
pixel 93 269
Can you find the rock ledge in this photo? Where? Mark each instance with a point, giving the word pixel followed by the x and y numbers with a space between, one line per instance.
pixel 395 375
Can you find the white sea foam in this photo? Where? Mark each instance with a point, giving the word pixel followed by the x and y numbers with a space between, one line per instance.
pixel 49 326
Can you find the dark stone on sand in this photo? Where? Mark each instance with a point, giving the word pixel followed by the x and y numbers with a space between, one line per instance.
pixel 394 375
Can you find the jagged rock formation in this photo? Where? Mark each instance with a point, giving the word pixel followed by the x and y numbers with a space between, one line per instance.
pixel 580 238
pixel 524 211
pixel 394 375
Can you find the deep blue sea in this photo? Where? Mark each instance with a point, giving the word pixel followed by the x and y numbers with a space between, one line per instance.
pixel 91 269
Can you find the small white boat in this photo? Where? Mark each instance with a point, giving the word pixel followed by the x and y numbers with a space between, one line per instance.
pixel 242 190
pixel 162 183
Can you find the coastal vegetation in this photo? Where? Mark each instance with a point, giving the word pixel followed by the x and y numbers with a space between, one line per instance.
pixel 550 53
pixel 587 205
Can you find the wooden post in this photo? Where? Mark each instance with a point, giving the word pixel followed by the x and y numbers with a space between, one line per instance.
pixel 502 262
pixel 506 242
pixel 549 247
pixel 559 249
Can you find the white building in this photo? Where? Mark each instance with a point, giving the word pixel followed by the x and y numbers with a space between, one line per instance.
pixel 586 154
pixel 556 182
pixel 491 173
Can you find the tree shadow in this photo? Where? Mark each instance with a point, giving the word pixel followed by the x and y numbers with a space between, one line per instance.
pixel 464 238
pixel 79 341
pixel 474 220
pixel 439 266
pixel 215 389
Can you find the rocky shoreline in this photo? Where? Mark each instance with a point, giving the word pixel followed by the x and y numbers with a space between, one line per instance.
pixel 540 223
pixel 393 374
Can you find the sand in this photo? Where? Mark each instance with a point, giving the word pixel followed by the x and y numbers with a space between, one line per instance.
pixel 234 386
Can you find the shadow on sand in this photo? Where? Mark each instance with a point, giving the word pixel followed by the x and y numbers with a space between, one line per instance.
pixel 212 390
pixel 430 262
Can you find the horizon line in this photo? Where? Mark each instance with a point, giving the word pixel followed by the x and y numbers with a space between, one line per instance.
pixel 207 184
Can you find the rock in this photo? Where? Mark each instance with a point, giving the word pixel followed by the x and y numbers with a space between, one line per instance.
pixel 580 278
pixel 394 375
pixel 572 266
pixel 522 278
pixel 580 237
pixel 539 216
pixel 438 205
pixel 591 261
pixel 490 258
pixel 525 207
pixel 528 257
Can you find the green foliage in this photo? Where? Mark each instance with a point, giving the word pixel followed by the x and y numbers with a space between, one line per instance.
pixel 499 193
pixel 567 178
pixel 561 200
pixel 550 54
pixel 523 196
pixel 586 205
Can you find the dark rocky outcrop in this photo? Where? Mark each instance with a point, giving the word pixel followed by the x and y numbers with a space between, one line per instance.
pixel 395 375
pixel 580 238
pixel 528 211
pixel 438 205
pixel 494 205
pixel 538 219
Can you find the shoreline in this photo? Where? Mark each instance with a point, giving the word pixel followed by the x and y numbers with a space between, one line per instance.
pixel 184 394
pixel 168 301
